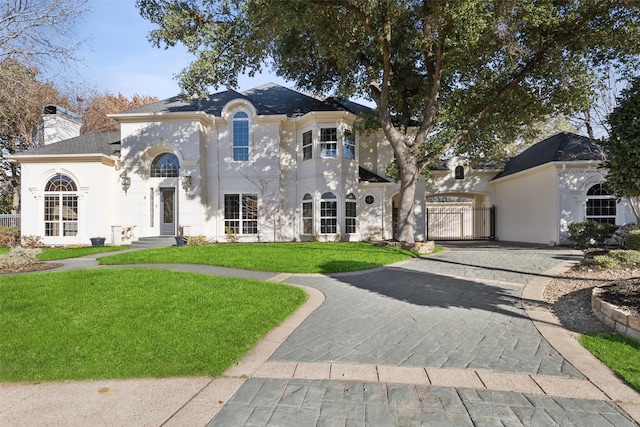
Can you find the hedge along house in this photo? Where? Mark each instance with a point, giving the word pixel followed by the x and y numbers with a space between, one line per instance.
pixel 273 164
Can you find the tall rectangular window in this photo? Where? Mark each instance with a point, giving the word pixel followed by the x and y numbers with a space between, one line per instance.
pixel 328 142
pixel 328 214
pixel 241 213
pixel 307 146
pixel 151 210
pixel 349 145
pixel 350 214
pixel 307 214
pixel 241 137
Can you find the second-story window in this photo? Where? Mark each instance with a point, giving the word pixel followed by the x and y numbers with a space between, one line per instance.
pixel 241 137
pixel 328 142
pixel 307 145
pixel 349 145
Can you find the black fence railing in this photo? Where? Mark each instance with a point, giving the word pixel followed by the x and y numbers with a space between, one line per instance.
pixel 461 223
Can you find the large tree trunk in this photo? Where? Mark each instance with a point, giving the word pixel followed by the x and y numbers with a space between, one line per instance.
pixel 406 218
pixel 16 200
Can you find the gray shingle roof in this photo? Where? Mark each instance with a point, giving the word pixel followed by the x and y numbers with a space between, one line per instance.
pixel 268 99
pixel 368 176
pixel 563 147
pixel 90 143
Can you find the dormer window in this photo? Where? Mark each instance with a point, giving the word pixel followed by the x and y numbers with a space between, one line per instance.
pixel 459 172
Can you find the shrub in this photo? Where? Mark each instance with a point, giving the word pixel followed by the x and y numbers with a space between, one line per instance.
pixel 31 241
pixel 19 257
pixel 605 261
pixel 590 232
pixel 232 236
pixel 629 256
pixel 9 236
pixel 197 240
pixel 632 241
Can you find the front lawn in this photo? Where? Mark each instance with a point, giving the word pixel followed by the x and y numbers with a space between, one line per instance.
pixel 52 254
pixel 620 354
pixel 132 323
pixel 323 257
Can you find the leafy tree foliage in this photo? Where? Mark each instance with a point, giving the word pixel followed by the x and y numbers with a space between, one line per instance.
pixel 22 98
pixel 96 108
pixel 35 31
pixel 623 146
pixel 465 76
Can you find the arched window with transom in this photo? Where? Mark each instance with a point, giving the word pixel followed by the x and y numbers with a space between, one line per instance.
pixel 307 214
pixel 328 214
pixel 601 205
pixel 350 213
pixel 60 207
pixel 459 172
pixel 165 165
pixel 240 136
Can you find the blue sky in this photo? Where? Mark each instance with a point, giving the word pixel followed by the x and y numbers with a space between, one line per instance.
pixel 117 57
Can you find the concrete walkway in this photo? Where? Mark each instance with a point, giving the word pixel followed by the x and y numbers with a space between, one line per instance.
pixel 458 338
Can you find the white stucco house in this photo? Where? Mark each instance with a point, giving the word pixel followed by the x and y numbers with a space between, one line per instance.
pixel 273 164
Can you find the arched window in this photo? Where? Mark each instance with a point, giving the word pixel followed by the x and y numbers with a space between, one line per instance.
pixel 240 136
pixel 350 214
pixel 307 214
pixel 601 205
pixel 328 214
pixel 165 165
pixel 459 172
pixel 60 207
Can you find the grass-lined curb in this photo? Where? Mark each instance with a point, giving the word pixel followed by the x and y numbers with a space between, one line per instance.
pixel 132 323
pixel 620 354
pixel 274 257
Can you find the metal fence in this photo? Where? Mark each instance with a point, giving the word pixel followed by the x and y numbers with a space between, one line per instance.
pixel 461 223
pixel 10 220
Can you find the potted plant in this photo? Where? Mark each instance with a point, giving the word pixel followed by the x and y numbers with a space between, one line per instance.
pixel 97 242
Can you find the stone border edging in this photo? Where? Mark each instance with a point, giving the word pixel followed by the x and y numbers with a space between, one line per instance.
pixel 619 320
pixel 569 348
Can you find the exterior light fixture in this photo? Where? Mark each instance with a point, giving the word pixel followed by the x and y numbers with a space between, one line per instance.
pixel 186 182
pixel 126 183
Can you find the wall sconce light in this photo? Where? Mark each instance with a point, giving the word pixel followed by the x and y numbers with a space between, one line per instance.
pixel 126 183
pixel 186 182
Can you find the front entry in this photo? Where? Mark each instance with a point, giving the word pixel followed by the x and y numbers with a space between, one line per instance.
pixel 167 211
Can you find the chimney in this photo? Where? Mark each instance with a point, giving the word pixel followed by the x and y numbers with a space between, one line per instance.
pixel 59 124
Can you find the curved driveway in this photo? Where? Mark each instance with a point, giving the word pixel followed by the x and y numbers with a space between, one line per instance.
pixel 440 340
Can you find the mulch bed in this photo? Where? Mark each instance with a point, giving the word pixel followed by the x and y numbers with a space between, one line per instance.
pixel 40 266
pixel 624 294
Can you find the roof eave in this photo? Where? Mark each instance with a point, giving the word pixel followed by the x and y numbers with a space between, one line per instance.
pixel 105 159
pixel 161 115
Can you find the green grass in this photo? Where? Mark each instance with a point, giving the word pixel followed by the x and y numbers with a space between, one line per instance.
pixel 275 257
pixel 620 354
pixel 129 323
pixel 52 254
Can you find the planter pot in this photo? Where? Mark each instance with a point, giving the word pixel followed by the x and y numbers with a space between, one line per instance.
pixel 97 242
pixel 181 240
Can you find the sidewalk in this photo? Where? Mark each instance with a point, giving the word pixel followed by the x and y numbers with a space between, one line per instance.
pixel 441 340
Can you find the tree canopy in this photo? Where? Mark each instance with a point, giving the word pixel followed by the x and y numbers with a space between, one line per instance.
pixel 32 32
pixel 467 76
pixel 623 148
pixel 22 98
pixel 96 108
